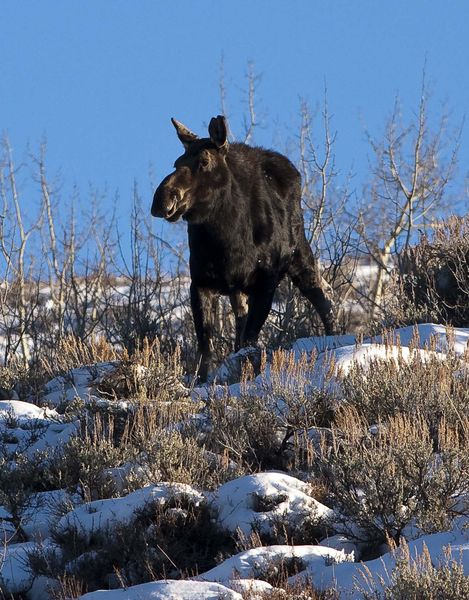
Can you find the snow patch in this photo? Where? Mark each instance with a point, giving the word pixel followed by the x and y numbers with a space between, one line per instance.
pixel 100 516
pixel 257 501
pixel 168 590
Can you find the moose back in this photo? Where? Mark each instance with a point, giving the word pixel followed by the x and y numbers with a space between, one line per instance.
pixel 245 227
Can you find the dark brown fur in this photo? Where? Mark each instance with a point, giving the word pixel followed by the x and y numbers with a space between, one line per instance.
pixel 245 229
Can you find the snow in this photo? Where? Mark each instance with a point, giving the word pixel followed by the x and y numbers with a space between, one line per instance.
pixel 168 590
pixel 43 512
pixel 428 334
pixel 340 353
pixel 81 376
pixel 77 383
pixel 239 502
pixel 15 574
pixel 342 576
pixel 327 567
pixel 23 411
pixel 344 358
pixel 250 586
pixel 320 344
pixel 256 563
pixel 100 516
pixel 341 542
pixel 29 429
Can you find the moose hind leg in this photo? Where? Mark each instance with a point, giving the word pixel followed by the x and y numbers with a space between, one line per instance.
pixel 203 303
pixel 304 273
pixel 260 303
pixel 239 304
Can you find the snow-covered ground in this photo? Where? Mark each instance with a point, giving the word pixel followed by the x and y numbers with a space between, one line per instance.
pixel 241 505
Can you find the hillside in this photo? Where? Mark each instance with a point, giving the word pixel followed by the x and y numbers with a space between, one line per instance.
pixel 339 467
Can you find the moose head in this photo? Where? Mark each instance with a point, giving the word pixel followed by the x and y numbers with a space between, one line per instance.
pixel 200 175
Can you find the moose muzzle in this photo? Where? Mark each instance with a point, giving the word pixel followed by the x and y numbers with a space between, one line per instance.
pixel 166 200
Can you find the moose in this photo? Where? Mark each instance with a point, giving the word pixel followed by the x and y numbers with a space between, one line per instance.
pixel 245 227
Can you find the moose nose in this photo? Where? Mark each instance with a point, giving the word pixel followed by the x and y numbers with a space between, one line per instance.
pixel 172 204
pixel 165 205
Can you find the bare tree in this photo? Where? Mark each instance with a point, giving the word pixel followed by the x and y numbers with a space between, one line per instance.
pixel 413 164
pixel 17 304
pixel 251 120
pixel 328 228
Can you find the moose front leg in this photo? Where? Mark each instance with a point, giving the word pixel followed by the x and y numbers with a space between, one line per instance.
pixel 203 310
pixel 239 304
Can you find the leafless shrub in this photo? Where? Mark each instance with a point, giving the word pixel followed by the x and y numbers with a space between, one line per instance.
pixel 413 164
pixel 416 577
pixel 435 387
pixel 82 462
pixel 329 230
pixel 173 540
pixel 149 295
pixel 383 482
pixel 432 280
pixel 21 476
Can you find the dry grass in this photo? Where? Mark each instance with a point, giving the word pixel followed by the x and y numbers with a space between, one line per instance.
pixel 417 578
pixel 435 388
pixel 72 352
pixel 383 481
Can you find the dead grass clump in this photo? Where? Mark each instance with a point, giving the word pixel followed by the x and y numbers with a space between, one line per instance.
pixel 291 393
pixel 21 476
pixel 384 481
pixel 162 439
pixel 277 572
pixel 176 540
pixel 18 380
pixel 435 388
pixel 146 374
pixel 297 591
pixel 148 443
pixel 417 578
pixel 246 430
pixel 82 462
pixel 72 352
pixel 302 590
pixel 265 429
pixel 66 587
pixel 174 457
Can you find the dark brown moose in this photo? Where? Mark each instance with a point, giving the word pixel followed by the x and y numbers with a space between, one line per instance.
pixel 245 227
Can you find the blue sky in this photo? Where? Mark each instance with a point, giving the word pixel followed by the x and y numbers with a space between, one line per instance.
pixel 101 78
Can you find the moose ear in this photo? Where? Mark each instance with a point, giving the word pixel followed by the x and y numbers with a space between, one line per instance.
pixel 218 131
pixel 185 135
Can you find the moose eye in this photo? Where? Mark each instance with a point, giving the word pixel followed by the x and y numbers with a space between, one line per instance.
pixel 204 162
